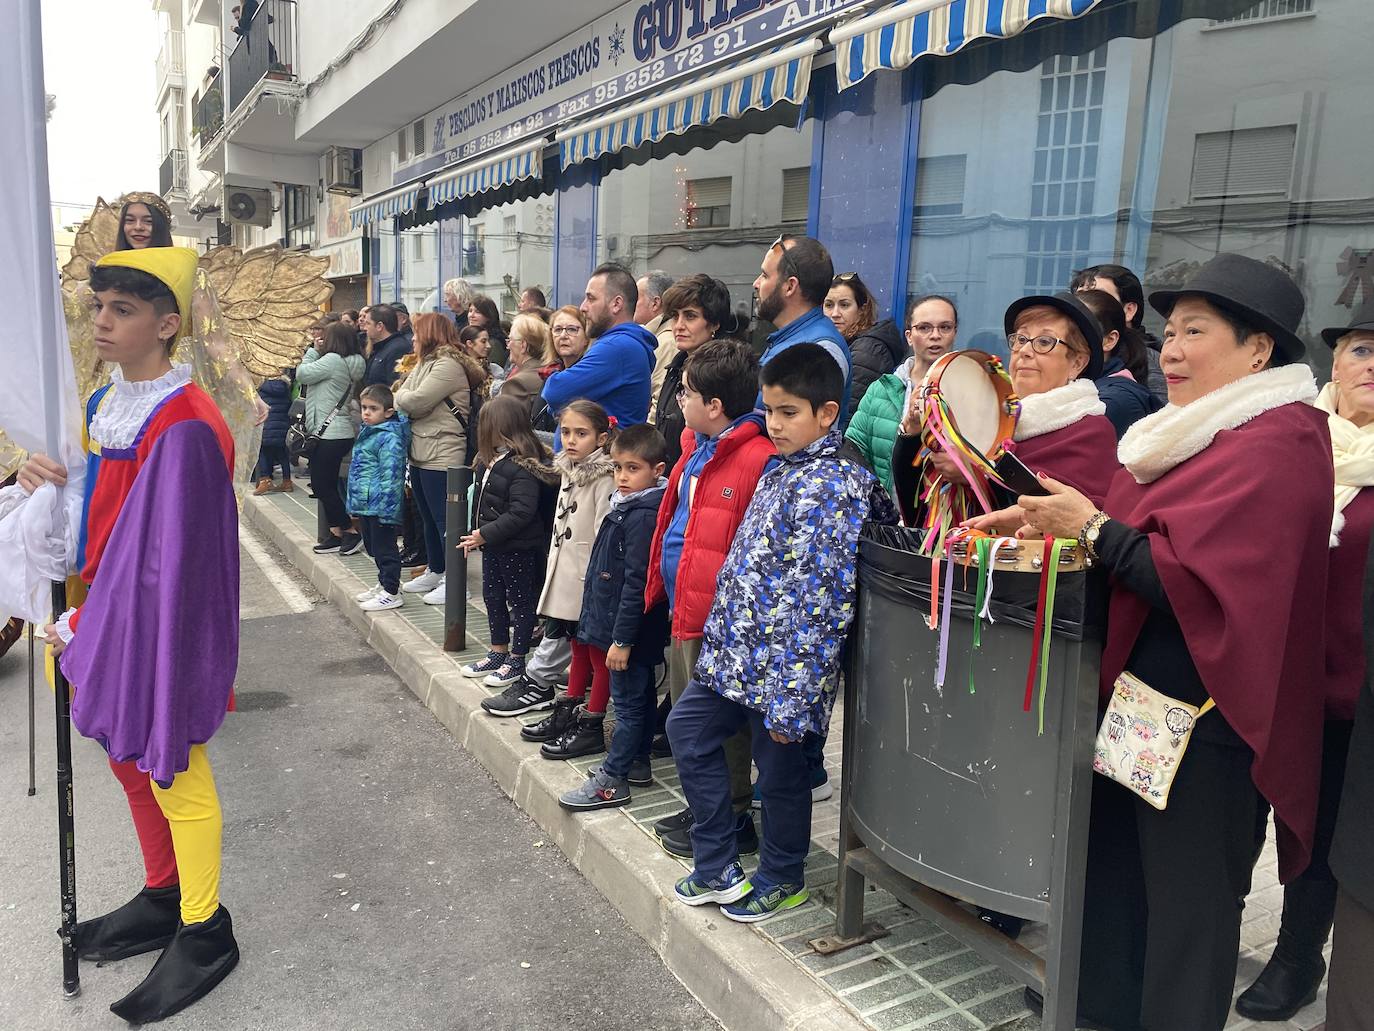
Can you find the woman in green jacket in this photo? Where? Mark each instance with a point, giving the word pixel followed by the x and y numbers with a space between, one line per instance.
pixel 329 373
pixel 931 328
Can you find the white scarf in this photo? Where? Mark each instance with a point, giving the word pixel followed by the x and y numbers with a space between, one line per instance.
pixel 1057 408
pixel 1352 448
pixel 1175 433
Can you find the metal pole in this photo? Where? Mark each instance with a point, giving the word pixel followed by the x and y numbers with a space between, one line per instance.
pixel 456 561
pixel 66 816
pixel 33 745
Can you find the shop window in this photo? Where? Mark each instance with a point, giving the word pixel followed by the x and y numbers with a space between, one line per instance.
pixel 506 248
pixel 708 202
pixel 650 215
pixel 1266 9
pixel 940 185
pixel 1144 150
pixel 796 194
pixel 1244 163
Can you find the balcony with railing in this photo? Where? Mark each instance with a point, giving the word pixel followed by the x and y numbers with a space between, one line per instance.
pixel 266 49
pixel 171 61
pixel 173 179
pixel 207 112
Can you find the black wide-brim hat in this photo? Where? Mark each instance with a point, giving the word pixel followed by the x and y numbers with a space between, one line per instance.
pixel 1263 296
pixel 1076 311
pixel 1362 319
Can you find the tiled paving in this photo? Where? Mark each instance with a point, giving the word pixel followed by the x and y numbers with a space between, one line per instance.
pixel 917 977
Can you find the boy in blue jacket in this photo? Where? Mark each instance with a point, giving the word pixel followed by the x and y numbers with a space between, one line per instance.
pixel 614 621
pixel 771 645
pixel 376 491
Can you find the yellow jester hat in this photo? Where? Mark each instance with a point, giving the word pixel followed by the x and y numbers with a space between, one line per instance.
pixel 174 266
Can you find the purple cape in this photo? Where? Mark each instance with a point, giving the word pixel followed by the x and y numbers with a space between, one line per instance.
pixel 156 648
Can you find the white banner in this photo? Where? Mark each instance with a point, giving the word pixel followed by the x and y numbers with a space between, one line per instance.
pixel 39 408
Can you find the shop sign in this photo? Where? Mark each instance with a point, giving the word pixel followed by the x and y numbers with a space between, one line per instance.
pixel 642 46
pixel 345 259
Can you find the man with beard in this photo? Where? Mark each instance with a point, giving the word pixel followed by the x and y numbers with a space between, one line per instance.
pixel 616 369
pixel 795 277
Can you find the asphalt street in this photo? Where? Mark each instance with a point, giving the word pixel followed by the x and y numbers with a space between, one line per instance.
pixel 377 877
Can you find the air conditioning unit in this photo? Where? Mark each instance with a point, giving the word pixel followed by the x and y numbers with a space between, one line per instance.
pixel 247 205
pixel 344 171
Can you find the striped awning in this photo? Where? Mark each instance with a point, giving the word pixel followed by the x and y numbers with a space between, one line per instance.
pixel 895 36
pixel 400 201
pixel 755 84
pixel 522 162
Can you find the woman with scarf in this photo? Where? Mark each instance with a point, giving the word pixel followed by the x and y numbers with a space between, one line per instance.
pixel 1294 972
pixel 1207 604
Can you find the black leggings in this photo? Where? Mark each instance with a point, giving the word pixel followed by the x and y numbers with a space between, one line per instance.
pixel 511 581
pixel 324 478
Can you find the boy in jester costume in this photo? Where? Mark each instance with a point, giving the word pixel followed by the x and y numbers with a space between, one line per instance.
pixel 152 651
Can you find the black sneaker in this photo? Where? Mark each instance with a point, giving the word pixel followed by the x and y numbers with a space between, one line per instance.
pixel 329 546
pixel 746 838
pixel 641 774
pixel 660 749
pixel 351 544
pixel 678 823
pixel 522 696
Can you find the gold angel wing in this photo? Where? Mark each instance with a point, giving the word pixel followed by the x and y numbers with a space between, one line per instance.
pixel 269 297
pixel 94 239
pixel 11 457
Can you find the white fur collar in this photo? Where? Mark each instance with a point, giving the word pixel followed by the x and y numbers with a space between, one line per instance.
pixel 1057 408
pixel 1171 436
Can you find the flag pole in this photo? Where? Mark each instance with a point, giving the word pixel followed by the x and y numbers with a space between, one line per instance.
pixel 48 312
pixel 33 746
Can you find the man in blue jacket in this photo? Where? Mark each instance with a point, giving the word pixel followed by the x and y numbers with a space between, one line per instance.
pixel 795 277
pixel 616 369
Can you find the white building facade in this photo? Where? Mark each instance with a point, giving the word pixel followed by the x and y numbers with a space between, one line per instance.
pixel 982 150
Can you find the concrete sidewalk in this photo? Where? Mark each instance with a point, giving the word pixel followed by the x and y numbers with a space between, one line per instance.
pixel 762 976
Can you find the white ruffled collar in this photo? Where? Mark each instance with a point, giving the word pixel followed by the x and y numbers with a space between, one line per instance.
pixel 1057 408
pixel 127 405
pixel 1174 434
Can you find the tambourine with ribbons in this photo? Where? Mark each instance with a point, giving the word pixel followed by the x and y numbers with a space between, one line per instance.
pixel 969 411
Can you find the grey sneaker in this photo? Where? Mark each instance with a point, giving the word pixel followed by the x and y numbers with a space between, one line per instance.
pixel 596 792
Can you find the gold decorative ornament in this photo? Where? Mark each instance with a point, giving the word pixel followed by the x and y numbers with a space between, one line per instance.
pixel 143 197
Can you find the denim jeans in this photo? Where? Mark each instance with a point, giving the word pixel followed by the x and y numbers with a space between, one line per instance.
pixel 698 727
pixel 633 691
pixel 430 487
pixel 379 539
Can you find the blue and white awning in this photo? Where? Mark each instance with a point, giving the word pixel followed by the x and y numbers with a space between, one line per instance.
pixel 895 36
pixel 522 162
pixel 756 84
pixel 384 205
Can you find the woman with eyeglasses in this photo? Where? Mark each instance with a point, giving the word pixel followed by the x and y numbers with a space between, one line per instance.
pixel 1216 538
pixel 568 331
pixel 875 346
pixel 932 324
pixel 695 307
pixel 529 344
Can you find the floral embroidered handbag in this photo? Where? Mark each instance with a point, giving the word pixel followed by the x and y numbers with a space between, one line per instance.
pixel 1143 737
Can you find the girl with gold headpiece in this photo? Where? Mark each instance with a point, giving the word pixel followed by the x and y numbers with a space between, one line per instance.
pixel 152 650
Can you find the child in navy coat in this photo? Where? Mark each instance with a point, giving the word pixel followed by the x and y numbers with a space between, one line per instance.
pixel 614 621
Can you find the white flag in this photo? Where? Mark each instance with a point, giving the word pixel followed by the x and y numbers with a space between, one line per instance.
pixel 39 408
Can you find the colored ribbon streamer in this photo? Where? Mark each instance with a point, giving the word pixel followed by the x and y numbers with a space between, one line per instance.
pixel 944 628
pixel 1050 578
pixel 1038 632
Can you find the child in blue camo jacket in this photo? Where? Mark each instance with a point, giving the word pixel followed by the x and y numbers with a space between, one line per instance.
pixel 771 647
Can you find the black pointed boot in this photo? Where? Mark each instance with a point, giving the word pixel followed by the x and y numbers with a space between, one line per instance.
pixel 552 726
pixel 145 923
pixel 199 957
pixel 585 737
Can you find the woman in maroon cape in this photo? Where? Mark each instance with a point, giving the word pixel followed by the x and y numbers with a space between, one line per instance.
pixel 1294 972
pixel 1216 537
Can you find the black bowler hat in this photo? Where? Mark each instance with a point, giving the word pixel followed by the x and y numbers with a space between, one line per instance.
pixel 1262 295
pixel 1362 319
pixel 1076 312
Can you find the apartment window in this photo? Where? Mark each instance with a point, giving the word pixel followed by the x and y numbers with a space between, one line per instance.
pixel 708 202
pixel 1268 9
pixel 940 185
pixel 796 193
pixel 298 214
pixel 410 142
pixel 417 138
pixel 418 247
pixel 1244 163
